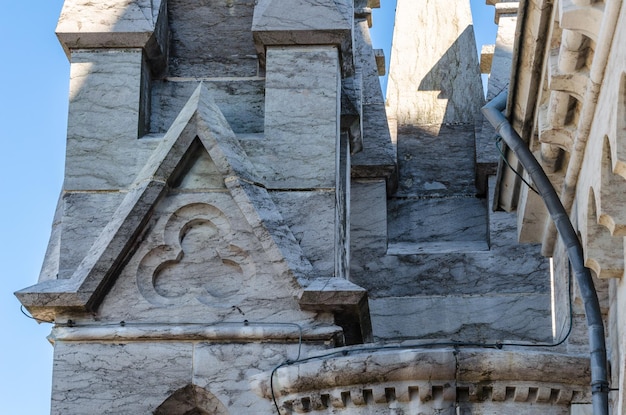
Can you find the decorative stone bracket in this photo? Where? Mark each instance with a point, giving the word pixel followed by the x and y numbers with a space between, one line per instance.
pixel 429 381
pixel 347 301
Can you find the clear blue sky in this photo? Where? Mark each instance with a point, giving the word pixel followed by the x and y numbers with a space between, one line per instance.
pixel 34 82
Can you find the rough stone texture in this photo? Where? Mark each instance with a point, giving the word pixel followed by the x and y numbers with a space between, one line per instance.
pixel 368 217
pixel 439 276
pixel 423 171
pixel 282 22
pixel 436 220
pixel 50 266
pixel 143 24
pixel 480 318
pixel 86 376
pixel 435 381
pixel 377 159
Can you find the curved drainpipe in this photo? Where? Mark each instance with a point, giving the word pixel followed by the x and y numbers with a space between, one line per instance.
pixel 599 379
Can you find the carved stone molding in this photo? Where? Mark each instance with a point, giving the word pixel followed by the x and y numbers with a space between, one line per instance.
pixel 427 380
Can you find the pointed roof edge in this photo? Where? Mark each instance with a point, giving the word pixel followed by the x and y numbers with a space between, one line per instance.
pixel 95 275
pixel 270 228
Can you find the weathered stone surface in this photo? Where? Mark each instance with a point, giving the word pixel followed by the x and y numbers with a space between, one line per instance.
pixel 85 215
pixel 87 376
pixel 282 22
pixel 434 381
pixel 438 220
pixel 501 317
pixel 441 84
pixel 211 39
pixel 83 385
pixel 422 172
pixel 104 120
pixel 116 24
pixel 228 275
pixel 220 239
pixel 50 266
pixel 199 124
pixel 311 218
pixel 368 216
pixel 300 154
pixel 241 101
pixel 377 159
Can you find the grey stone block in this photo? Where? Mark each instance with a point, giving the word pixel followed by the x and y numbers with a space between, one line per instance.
pixel 301 118
pixel 211 39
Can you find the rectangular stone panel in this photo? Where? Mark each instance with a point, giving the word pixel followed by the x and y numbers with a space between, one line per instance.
pixel 481 318
pixel 438 220
pixel 302 104
pixel 368 215
pixel 103 150
pixel 211 38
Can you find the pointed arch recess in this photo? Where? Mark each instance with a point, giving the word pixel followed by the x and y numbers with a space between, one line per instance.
pixel 604 254
pixel 191 400
pixel 612 195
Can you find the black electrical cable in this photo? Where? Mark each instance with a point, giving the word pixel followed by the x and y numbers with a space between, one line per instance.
pixel 595 324
pixel 571 321
pixel 38 320
pixel 503 157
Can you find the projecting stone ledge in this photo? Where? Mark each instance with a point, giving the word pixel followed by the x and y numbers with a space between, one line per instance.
pixel 486 58
pixel 281 23
pixel 417 380
pixel 347 301
pixel 119 24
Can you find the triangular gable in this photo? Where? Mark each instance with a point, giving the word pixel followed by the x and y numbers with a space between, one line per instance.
pixel 200 120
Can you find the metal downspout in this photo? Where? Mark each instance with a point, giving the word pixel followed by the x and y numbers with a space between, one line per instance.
pixel 599 376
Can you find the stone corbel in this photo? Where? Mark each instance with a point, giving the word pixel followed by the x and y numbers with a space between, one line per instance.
pixel 583 19
pixel 506 9
pixel 117 24
pixel 302 22
pixel 348 303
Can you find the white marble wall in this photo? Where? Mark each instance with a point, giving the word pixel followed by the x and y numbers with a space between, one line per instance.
pixel 104 120
pixel 137 377
pixel 302 104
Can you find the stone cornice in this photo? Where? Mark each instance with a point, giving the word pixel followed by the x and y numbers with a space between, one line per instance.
pixel 430 377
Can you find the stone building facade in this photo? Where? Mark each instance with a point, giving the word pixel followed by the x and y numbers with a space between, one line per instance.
pixel 247 226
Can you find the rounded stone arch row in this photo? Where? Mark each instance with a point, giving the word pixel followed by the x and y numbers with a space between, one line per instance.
pixel 605 219
pixel 191 400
